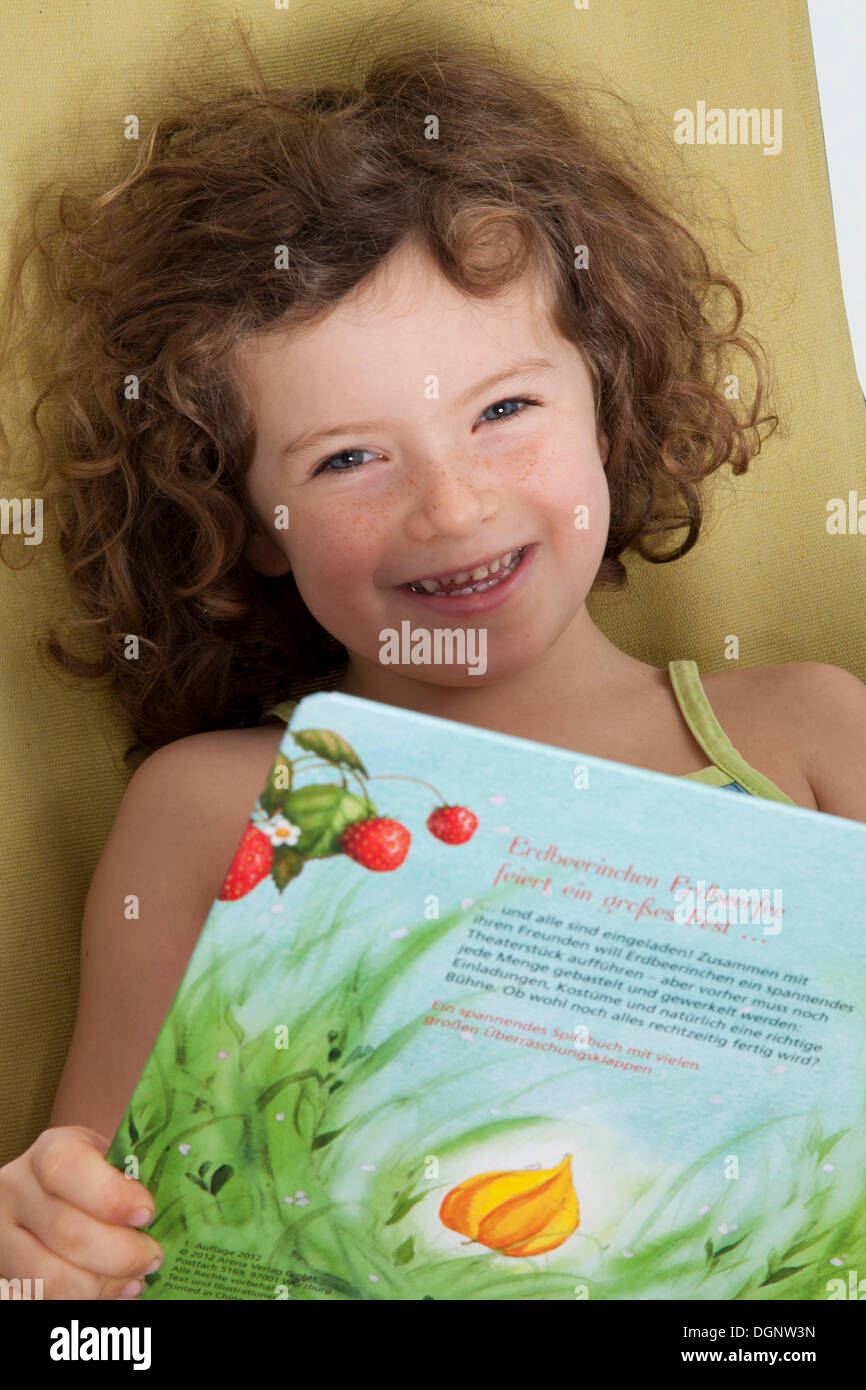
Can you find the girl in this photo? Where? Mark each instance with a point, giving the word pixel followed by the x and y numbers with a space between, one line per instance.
pixel 423 350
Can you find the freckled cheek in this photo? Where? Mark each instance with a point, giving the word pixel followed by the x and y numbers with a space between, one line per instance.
pixel 557 479
pixel 335 545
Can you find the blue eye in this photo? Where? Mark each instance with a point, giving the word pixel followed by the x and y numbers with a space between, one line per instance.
pixel 332 464
pixel 344 468
pixel 511 400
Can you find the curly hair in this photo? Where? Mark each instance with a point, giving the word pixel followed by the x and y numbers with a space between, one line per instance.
pixel 152 284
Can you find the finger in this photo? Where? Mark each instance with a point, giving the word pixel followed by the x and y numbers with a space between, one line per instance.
pixel 112 1251
pixel 70 1163
pixel 25 1257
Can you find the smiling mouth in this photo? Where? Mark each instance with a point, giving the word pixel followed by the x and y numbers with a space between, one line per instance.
pixel 474 581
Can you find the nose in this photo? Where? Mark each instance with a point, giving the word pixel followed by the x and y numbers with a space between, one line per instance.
pixel 448 500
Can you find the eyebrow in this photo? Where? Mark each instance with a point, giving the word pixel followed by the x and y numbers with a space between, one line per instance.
pixel 532 366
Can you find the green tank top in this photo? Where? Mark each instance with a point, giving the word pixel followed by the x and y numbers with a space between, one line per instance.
pixel 728 769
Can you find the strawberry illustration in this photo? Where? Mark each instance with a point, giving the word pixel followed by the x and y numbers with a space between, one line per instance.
pixel 251 862
pixel 452 824
pixel 377 844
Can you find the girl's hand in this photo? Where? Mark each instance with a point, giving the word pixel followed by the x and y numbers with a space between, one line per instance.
pixel 68 1217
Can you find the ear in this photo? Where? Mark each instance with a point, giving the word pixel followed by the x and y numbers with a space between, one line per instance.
pixel 603 448
pixel 264 555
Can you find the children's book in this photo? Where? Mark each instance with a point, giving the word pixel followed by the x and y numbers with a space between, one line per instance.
pixel 473 1017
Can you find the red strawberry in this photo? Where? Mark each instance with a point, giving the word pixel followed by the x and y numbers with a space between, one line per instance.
pixel 377 844
pixel 453 824
pixel 252 861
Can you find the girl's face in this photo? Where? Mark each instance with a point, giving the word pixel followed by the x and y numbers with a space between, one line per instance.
pixel 431 468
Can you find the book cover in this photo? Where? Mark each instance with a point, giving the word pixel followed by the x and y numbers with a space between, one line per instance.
pixel 478 1018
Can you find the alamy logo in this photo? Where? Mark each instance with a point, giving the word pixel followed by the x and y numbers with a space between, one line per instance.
pixel 738 907
pixel 17 518
pixel 445 646
pixel 736 126
pixel 76 1343
pixel 20 1288
pixel 856 1287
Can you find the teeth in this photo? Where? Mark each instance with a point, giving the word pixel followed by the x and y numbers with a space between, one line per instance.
pixel 476 576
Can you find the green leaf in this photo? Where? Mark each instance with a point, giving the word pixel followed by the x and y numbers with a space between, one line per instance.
pixel 306 1113
pixel 220 1178
pixel 809 1240
pixel 133 1132
pixel 814 1140
pixel 274 1089
pixel 198 1182
pixel 403 1205
pixel 322 813
pixel 723 1249
pixel 322 1139
pixel 828 1144
pixel 278 785
pixel 204 1167
pixel 709 1249
pixel 233 1024
pixel 330 746
pixel 406 1252
pixel 286 865
pixel 784 1273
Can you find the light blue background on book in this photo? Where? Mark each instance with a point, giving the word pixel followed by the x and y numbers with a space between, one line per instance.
pixel 737 1158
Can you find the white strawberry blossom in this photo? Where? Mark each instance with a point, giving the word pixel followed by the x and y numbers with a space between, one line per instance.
pixel 277 829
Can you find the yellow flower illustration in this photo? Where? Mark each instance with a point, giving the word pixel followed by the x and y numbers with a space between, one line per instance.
pixel 517 1213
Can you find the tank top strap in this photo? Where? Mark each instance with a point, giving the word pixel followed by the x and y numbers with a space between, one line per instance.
pixel 284 710
pixel 698 714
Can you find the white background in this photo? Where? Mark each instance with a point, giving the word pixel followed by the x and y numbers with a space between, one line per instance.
pixel 839 40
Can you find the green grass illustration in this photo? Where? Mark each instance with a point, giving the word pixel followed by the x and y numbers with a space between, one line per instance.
pixel 358 1158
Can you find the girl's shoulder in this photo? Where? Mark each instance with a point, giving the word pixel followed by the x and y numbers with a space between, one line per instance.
pixel 785 688
pixel 224 770
pixel 805 713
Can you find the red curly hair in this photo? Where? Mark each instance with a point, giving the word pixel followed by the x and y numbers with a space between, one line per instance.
pixel 152 284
